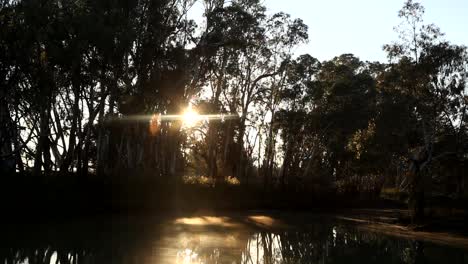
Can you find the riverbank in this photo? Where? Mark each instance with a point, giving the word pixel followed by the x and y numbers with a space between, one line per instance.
pixel 451 230
pixel 71 197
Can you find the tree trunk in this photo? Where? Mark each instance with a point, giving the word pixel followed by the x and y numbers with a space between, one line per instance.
pixel 284 168
pixel 240 146
pixel 100 152
pixel 67 160
pixel 416 201
pixel 227 145
pixel 41 157
pixel 87 136
pixel 212 164
pixel 7 159
pixel 269 156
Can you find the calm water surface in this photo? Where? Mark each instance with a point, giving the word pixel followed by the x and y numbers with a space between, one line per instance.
pixel 254 238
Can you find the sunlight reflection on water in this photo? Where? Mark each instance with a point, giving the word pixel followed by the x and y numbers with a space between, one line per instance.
pixel 216 239
pixel 205 220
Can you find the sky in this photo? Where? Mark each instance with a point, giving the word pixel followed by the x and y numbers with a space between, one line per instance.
pixel 362 27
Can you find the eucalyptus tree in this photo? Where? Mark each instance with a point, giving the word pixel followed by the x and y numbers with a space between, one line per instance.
pixel 294 119
pixel 39 29
pixel 257 74
pixel 154 72
pixel 8 78
pixel 229 29
pixel 284 34
pixel 246 50
pixel 81 61
pixel 432 74
pixel 343 103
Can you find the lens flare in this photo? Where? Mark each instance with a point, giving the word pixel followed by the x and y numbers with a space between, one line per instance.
pixel 190 117
pixel 154 124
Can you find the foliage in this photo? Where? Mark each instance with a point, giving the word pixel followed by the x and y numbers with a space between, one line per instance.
pixel 87 87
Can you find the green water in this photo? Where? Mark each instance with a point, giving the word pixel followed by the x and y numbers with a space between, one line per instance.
pixel 253 238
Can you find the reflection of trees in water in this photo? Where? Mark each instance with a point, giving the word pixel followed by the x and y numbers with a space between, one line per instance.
pixel 42 255
pixel 335 244
pixel 318 243
pixel 414 253
pixel 64 255
pixel 78 242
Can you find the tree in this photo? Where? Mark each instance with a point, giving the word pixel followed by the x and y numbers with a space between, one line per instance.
pixel 432 74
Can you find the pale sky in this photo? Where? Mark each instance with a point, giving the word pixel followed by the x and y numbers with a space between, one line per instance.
pixel 361 27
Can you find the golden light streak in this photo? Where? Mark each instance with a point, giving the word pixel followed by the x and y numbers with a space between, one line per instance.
pixel 171 118
pixel 205 220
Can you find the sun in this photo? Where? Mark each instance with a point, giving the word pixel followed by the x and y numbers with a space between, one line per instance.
pixel 190 117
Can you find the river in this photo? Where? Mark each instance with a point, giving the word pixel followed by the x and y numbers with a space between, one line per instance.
pixel 227 238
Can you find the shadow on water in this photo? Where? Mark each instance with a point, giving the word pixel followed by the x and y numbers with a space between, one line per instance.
pixel 212 239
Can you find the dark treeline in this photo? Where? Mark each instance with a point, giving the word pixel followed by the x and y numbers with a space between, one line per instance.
pixel 85 86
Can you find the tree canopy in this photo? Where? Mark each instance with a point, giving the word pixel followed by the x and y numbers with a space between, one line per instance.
pixel 89 87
